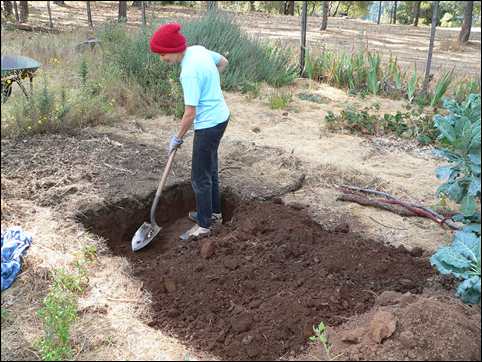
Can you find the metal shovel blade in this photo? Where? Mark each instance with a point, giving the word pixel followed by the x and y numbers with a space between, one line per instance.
pixel 144 235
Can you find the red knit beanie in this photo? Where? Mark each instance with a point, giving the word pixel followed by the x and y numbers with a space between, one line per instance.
pixel 168 39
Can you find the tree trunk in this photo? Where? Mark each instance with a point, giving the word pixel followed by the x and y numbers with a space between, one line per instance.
pixel 417 12
pixel 7 7
pixel 430 47
pixel 23 11
pixel 467 24
pixel 122 11
pixel 337 7
pixel 324 22
pixel 212 5
pixel 15 8
pixel 144 19
pixel 251 6
pixel 303 37
pixel 395 13
pixel 137 4
pixel 290 8
pixel 89 15
pixel 51 24
pixel 379 12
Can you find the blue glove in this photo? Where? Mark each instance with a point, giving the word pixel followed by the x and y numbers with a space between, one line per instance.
pixel 174 143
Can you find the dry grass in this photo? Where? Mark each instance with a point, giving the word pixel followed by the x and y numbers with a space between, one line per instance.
pixel 112 311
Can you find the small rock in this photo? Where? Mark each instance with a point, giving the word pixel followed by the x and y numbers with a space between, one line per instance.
pixel 252 352
pixel 388 298
pixel 170 285
pixel 353 336
pixel 407 283
pixel 247 340
pixel 382 326
pixel 172 313
pixel 285 114
pixel 416 252
pixel 207 248
pixel 297 205
pixel 221 336
pixel 242 323
pixel 407 298
pixel 342 228
pixel 316 260
pixel 255 303
pixel 407 339
pixel 230 264
pixel 256 130
pixel 277 200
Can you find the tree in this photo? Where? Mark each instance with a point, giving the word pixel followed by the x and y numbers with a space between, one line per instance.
pixel 59 3
pixel 289 8
pixel 212 5
pixel 7 7
pixel 467 24
pixel 51 24
pixel 251 6
pixel 122 11
pixel 379 12
pixel 394 14
pixel 137 4
pixel 23 11
pixel 430 47
pixel 89 15
pixel 337 7
pixel 416 15
pixel 324 22
pixel 144 19
pixel 303 36
pixel 15 8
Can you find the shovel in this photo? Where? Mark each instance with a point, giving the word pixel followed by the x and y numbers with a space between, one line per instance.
pixel 147 232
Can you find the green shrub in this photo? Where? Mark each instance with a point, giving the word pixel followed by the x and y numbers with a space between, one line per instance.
pixel 250 61
pixel 403 124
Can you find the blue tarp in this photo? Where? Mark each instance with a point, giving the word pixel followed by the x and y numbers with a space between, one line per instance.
pixel 14 244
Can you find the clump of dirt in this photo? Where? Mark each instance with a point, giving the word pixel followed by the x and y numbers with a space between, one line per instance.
pixel 254 289
pixel 413 328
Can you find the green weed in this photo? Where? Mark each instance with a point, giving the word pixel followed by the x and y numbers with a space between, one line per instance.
pixel 280 99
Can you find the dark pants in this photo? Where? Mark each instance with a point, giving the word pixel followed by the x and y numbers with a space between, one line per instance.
pixel 204 176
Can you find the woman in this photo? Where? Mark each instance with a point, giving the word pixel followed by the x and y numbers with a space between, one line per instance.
pixel 205 108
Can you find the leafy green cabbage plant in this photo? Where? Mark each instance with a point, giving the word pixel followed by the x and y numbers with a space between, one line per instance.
pixel 460 134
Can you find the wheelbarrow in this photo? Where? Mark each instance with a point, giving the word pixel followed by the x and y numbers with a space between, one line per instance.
pixel 15 69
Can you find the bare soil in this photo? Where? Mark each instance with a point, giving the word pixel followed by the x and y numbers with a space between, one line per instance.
pixel 255 288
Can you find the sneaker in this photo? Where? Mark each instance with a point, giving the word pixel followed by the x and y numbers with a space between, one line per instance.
pixel 216 218
pixel 195 232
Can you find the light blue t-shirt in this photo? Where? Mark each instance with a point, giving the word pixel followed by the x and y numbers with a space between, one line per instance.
pixel 202 87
